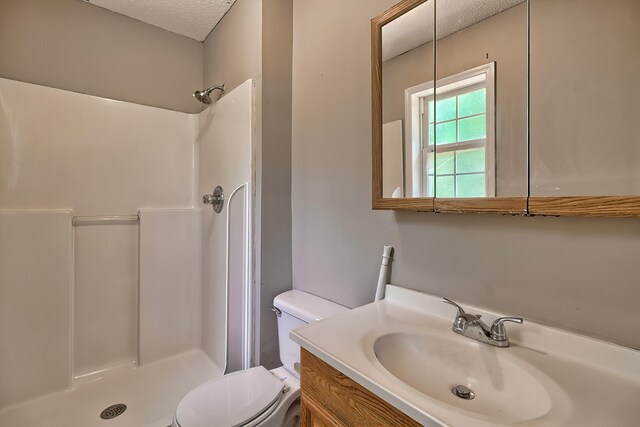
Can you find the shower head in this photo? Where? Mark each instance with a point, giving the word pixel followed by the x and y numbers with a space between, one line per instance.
pixel 204 95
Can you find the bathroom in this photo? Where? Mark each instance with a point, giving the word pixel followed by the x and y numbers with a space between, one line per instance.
pixel 119 286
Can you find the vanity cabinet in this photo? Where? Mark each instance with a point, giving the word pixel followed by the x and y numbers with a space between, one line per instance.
pixel 331 399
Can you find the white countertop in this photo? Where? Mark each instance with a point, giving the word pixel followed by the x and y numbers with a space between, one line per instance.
pixel 590 382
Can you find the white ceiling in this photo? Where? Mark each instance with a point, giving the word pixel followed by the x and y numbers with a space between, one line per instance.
pixel 192 18
pixel 416 26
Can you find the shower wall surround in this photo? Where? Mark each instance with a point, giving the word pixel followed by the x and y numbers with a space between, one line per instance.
pixel 225 152
pixel 91 156
pixel 77 300
pixel 105 296
pixel 170 282
pixel 64 150
pixel 36 272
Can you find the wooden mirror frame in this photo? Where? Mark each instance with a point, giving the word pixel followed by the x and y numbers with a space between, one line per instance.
pixel 613 206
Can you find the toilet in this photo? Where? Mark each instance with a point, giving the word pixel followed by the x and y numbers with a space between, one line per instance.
pixel 256 396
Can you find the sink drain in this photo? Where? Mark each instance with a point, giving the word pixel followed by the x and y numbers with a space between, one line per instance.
pixel 463 392
pixel 113 411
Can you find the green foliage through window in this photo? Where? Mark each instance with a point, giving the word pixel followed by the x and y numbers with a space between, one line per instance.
pixel 457 126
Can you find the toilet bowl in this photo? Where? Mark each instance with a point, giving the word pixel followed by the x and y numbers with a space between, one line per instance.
pixel 253 397
pixel 257 397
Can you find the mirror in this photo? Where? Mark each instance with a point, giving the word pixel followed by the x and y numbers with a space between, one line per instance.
pixel 478 123
pixel 407 61
pixel 454 112
pixel 585 98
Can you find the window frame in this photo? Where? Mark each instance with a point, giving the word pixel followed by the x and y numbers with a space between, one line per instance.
pixel 415 127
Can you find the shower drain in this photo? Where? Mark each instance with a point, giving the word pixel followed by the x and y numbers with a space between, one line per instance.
pixel 113 411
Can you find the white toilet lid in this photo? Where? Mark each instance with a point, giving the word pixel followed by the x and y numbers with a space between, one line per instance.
pixel 231 400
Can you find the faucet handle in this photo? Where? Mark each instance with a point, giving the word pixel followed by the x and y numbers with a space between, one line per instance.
pixel 460 322
pixel 498 332
pixel 460 310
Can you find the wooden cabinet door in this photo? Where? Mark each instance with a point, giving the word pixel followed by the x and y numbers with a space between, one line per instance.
pixel 310 416
pixel 331 399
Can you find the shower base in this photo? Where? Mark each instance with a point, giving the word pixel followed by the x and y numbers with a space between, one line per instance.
pixel 151 394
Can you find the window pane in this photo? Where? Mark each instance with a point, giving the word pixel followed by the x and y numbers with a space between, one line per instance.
pixel 445 186
pixel 430 111
pixel 446 109
pixel 472 128
pixel 445 133
pixel 430 182
pixel 470 160
pixel 472 103
pixel 444 163
pixel 431 136
pixel 470 185
pixel 430 162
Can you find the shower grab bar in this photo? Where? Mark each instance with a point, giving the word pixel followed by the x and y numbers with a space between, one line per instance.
pixel 104 219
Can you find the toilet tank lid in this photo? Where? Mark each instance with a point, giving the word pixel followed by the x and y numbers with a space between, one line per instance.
pixel 306 307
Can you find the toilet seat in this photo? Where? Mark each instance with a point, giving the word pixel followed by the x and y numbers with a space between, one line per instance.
pixel 243 398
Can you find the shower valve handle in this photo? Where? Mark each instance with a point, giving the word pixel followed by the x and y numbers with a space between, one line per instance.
pixel 208 199
pixel 216 200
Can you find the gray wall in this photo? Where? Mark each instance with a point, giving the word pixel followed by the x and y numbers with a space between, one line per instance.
pixel 402 72
pixel 233 49
pixel 254 40
pixel 575 273
pixel 73 45
pixel 277 39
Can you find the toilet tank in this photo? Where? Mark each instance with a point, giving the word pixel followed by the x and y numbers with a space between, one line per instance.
pixel 297 309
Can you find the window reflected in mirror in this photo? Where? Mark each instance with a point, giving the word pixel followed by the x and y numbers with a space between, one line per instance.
pixel 460 126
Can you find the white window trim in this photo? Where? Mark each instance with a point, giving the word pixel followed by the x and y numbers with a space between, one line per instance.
pixel 413 152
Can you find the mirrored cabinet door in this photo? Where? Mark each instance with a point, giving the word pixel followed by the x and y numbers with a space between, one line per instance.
pixel 585 106
pixel 477 120
pixel 450 106
pixel 406 62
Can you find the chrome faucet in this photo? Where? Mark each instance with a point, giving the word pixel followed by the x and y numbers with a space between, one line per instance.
pixel 470 325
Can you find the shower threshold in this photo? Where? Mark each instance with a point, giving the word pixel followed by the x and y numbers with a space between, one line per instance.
pixel 151 394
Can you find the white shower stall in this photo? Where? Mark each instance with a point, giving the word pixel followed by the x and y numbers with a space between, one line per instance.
pixel 117 285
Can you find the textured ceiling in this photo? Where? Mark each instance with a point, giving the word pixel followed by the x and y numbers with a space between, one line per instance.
pixel 416 27
pixel 192 18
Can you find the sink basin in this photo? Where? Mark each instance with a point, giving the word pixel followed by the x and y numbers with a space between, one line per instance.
pixel 506 389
